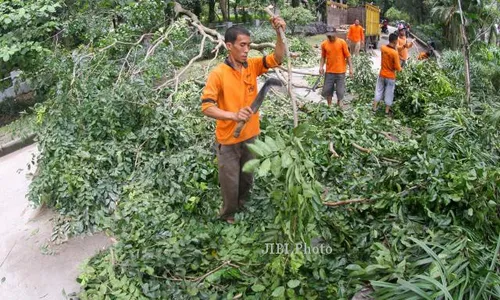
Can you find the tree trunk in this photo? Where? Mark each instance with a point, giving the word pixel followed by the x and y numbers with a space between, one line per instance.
pixel 211 11
pixel 235 9
pixel 465 50
pixel 223 8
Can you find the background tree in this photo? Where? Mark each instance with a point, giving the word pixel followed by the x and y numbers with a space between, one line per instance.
pixel 296 16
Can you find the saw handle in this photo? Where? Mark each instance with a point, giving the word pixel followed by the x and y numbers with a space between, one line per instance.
pixel 238 129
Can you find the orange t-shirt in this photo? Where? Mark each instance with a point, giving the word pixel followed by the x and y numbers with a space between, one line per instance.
pixel 403 48
pixel 335 54
pixel 423 55
pixel 390 62
pixel 231 90
pixel 355 33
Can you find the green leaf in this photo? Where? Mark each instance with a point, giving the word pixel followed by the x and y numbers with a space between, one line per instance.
pixel 286 160
pixel 276 166
pixel 258 288
pixel 251 165
pixel 271 143
pixel 254 148
pixel 263 147
pixel 414 288
pixel 278 292
pixel 265 167
pixel 293 283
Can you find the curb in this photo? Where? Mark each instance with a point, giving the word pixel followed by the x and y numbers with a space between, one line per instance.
pixel 15 145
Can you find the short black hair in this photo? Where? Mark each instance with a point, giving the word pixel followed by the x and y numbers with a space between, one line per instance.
pixel 232 33
pixel 393 37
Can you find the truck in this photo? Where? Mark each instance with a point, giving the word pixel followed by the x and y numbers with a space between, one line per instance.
pixel 340 16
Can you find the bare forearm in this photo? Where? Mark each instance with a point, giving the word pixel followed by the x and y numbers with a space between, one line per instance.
pixel 349 62
pixel 279 49
pixel 321 62
pixel 219 114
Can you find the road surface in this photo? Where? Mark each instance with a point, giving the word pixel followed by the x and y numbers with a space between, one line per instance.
pixel 30 267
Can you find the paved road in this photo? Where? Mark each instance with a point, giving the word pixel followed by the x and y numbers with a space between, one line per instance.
pixel 25 272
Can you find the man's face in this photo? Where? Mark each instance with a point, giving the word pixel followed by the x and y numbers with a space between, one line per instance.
pixel 401 32
pixel 331 38
pixel 356 22
pixel 239 50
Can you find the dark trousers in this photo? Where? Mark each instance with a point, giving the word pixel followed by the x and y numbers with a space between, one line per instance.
pixel 235 184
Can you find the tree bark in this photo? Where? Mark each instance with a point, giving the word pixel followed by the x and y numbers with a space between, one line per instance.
pixel 223 8
pixel 465 49
pixel 211 11
pixel 235 9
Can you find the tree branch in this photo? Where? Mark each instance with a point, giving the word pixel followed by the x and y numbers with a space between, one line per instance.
pixel 332 150
pixel 345 202
pixel 287 51
pixel 360 148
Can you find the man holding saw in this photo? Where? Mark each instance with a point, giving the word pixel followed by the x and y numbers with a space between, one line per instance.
pixel 228 97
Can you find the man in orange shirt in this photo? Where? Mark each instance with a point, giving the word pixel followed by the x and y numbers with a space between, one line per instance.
pixel 229 91
pixel 355 37
pixel 335 53
pixel 386 81
pixel 403 46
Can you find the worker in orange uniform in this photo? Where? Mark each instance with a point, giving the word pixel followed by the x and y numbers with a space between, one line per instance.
pixel 403 45
pixel 428 53
pixel 229 91
pixel 334 53
pixel 386 81
pixel 355 37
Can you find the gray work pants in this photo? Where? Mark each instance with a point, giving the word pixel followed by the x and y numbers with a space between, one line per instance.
pixel 235 184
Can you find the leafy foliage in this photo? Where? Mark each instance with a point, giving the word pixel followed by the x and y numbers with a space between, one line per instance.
pixel 296 16
pixel 123 155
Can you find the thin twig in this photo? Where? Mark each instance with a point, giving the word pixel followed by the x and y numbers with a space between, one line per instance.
pixel 213 271
pixel 128 54
pixel 339 203
pixel 176 79
pixel 389 136
pixel 391 160
pixel 332 150
pixel 360 148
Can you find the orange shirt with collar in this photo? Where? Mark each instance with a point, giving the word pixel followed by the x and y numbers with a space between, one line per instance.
pixel 390 62
pixel 403 47
pixel 335 54
pixel 231 90
pixel 355 33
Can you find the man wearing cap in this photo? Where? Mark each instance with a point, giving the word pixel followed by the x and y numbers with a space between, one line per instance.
pixel 355 37
pixel 334 53
pixel 403 45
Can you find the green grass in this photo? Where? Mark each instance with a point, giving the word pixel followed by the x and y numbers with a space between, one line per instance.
pixel 20 128
pixel 315 39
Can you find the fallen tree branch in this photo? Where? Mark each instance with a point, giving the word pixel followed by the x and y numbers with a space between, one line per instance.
pixel 345 202
pixel 262 46
pixel 287 52
pixel 332 150
pixel 199 279
pixel 200 54
pixel 361 148
pixel 390 136
pixel 364 200
pixel 391 160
